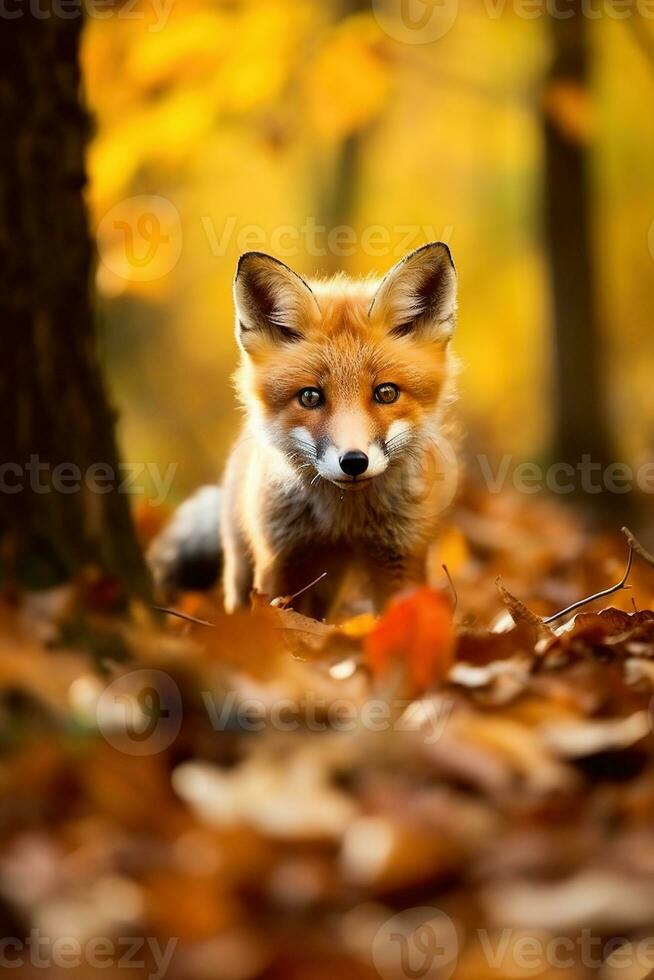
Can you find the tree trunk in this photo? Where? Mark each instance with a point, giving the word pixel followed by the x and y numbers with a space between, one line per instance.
pixel 337 203
pixel 58 513
pixel 581 425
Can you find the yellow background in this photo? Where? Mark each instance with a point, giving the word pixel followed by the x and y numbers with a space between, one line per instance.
pixel 253 116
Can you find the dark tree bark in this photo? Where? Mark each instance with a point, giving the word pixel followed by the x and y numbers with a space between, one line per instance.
pixel 581 424
pixel 53 405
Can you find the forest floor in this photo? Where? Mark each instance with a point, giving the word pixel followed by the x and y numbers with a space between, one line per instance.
pixel 458 788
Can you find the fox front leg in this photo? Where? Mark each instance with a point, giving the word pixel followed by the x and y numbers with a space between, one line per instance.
pixel 267 573
pixel 390 573
pixel 237 571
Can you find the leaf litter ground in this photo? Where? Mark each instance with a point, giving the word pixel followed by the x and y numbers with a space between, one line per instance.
pixel 271 792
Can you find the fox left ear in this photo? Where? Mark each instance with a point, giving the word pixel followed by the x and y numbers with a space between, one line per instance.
pixel 419 294
pixel 273 304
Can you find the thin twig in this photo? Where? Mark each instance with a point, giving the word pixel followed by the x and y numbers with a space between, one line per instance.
pixel 286 599
pixel 452 587
pixel 598 595
pixel 305 629
pixel 638 547
pixel 181 615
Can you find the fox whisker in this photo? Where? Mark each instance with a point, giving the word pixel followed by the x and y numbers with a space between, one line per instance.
pixel 307 450
pixel 398 443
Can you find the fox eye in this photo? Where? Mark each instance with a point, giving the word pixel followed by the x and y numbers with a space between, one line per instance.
pixel 386 394
pixel 310 397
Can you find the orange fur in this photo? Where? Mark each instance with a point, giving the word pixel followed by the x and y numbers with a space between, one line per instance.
pixel 289 507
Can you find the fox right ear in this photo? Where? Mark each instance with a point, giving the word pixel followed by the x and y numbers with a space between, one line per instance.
pixel 418 295
pixel 273 304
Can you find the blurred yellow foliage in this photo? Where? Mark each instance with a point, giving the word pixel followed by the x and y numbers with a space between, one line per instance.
pixel 192 50
pixel 260 121
pixel 162 136
pixel 349 80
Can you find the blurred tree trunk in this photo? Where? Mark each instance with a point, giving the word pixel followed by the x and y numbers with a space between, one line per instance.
pixel 581 425
pixel 338 201
pixel 53 404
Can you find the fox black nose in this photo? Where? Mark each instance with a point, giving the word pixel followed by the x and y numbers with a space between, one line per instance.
pixel 354 462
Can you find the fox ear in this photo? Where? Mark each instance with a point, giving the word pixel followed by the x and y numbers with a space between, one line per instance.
pixel 273 304
pixel 419 294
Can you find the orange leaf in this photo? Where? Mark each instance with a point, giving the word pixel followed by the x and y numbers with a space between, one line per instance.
pixel 570 108
pixel 416 631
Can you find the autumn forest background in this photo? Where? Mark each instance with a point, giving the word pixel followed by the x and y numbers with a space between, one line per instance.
pixel 525 143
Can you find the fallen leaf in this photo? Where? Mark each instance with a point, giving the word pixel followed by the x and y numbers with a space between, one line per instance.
pixel 415 633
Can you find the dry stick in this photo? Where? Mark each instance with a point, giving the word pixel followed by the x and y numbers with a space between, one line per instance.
pixel 181 615
pixel 638 547
pixel 205 622
pixel 598 595
pixel 452 587
pixel 289 598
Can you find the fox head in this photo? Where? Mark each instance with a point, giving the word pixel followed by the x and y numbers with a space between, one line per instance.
pixel 345 378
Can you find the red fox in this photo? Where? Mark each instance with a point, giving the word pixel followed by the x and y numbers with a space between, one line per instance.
pixel 346 387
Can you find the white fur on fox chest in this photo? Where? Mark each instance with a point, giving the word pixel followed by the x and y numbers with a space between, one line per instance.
pixel 382 516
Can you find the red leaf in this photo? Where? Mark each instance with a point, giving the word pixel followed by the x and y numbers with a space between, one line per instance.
pixel 417 631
